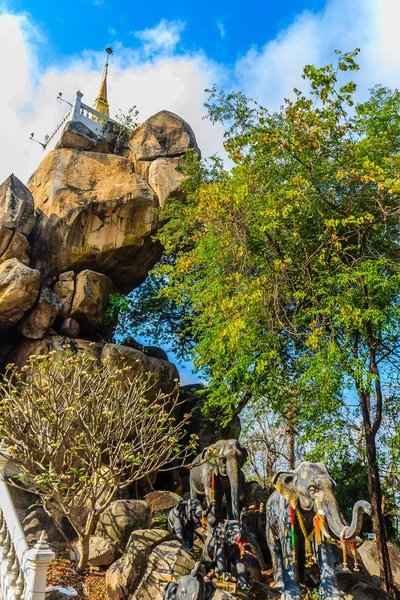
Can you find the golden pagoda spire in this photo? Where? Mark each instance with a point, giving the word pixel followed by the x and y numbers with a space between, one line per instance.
pixel 101 102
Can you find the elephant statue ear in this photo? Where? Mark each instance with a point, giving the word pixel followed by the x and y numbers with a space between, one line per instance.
pixel 188 509
pixel 323 467
pixel 170 591
pixel 244 457
pixel 220 532
pixel 181 507
pixel 285 482
pixel 210 455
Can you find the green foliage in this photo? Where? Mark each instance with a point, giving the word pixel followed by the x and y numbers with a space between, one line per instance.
pixel 118 306
pixel 160 521
pixel 118 132
pixel 288 261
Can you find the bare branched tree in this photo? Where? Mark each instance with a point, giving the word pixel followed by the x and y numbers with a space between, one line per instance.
pixel 82 430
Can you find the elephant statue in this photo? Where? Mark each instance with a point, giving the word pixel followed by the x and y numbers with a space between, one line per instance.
pixel 224 548
pixel 183 520
pixel 303 498
pixel 221 462
pixel 189 587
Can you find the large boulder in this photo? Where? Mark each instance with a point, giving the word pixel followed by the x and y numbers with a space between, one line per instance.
pixel 168 561
pixel 121 518
pixel 19 288
pixel 14 245
pixel 16 206
pixel 163 134
pixel 124 575
pixel 90 301
pixel 254 494
pixel 101 552
pixel 20 354
pixel 161 503
pixel 192 398
pixel 77 135
pixel 164 373
pixel 70 328
pixel 5 237
pixel 38 520
pixel 163 176
pixel 42 316
pixel 369 554
pixel 95 213
pixel 65 288
pixel 359 586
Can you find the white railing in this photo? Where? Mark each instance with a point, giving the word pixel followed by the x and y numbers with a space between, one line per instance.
pixel 48 138
pixel 23 571
pixel 93 119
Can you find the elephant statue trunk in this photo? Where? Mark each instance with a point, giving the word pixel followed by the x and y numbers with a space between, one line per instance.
pixel 233 474
pixel 339 528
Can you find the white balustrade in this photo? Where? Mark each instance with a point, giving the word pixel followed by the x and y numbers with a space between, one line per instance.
pixel 93 119
pixel 23 571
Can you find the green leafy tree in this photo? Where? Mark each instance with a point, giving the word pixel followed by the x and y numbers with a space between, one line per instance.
pixel 290 262
pixel 117 132
pixel 82 430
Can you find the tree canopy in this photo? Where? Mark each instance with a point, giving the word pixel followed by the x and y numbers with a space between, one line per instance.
pixel 287 266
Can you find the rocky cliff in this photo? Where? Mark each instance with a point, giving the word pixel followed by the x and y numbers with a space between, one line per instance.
pixel 81 229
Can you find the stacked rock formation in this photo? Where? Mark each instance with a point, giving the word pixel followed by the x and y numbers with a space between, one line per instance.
pixel 81 229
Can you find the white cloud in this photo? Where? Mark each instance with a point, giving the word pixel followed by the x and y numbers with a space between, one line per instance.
pixel 221 29
pixel 270 73
pixel 162 38
pixel 29 104
pixel 165 79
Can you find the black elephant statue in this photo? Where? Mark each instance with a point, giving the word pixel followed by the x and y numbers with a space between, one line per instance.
pixel 183 520
pixel 224 549
pixel 189 587
pixel 301 510
pixel 216 473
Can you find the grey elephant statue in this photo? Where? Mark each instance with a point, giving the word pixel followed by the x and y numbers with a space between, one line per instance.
pixel 183 520
pixel 189 587
pixel 303 508
pixel 224 548
pixel 220 464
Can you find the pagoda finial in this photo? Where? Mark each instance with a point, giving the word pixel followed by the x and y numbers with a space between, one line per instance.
pixel 101 102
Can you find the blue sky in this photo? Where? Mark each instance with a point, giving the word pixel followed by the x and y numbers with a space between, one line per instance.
pixel 167 53
pixel 224 30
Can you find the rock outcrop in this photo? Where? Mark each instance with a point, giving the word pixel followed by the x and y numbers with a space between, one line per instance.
pixel 95 213
pixel 164 374
pixel 369 554
pixel 82 229
pixel 91 294
pixel 76 135
pixel 19 288
pixel 38 321
pixel 17 211
pixel 163 134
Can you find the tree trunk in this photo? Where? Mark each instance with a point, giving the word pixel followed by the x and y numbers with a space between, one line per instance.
pixel 83 548
pixel 291 433
pixel 375 491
